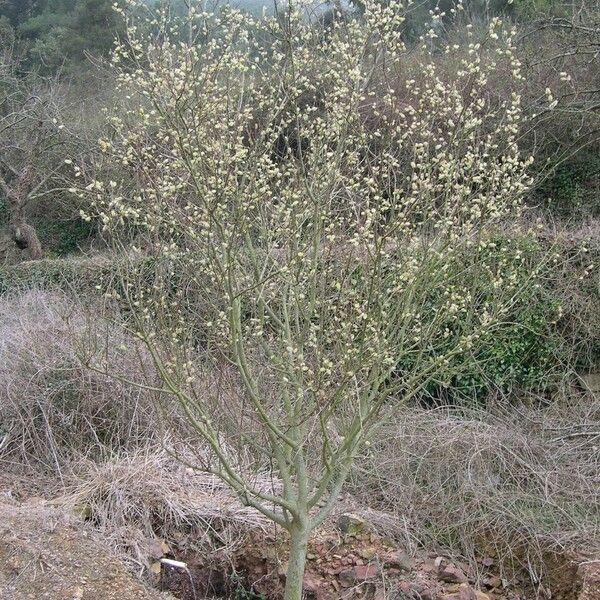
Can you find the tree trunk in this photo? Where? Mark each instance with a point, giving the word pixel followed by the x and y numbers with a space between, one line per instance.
pixel 23 234
pixel 18 190
pixel 296 563
pixel 26 238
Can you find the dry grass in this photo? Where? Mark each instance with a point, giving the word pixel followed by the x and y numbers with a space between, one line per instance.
pixel 52 407
pixel 147 495
pixel 515 483
pixel 98 443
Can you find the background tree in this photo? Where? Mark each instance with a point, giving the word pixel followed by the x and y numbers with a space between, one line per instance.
pixel 62 34
pixel 34 145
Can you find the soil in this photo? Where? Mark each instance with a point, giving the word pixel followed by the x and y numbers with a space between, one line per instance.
pixel 46 554
pixel 573 577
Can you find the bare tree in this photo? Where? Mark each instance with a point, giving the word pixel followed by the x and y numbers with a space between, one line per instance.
pixel 559 51
pixel 33 147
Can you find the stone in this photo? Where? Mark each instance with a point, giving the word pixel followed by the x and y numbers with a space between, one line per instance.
pixel 493 581
pixel 346 578
pixel 465 592
pixel 351 524
pixel 398 560
pixel 357 574
pixel 417 590
pixel 310 584
pixel 155 549
pixel 448 572
pixel 422 592
pixel 405 587
pixel 364 572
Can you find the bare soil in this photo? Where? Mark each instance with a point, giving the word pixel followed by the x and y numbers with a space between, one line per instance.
pixel 46 554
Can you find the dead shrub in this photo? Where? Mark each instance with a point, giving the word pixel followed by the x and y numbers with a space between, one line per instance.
pixel 515 483
pixel 54 408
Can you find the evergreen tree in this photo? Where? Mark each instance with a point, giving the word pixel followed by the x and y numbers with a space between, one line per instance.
pixel 60 33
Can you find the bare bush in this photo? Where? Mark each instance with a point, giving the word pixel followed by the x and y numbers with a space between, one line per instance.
pixel 515 483
pixel 52 407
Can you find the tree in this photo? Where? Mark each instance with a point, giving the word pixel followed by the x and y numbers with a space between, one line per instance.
pixel 315 222
pixel 60 34
pixel 16 11
pixel 32 147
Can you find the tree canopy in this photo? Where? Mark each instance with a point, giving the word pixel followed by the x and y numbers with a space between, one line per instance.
pixel 55 34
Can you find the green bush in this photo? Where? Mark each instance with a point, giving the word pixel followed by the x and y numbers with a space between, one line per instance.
pixel 573 188
pixel 527 10
pixel 521 350
pixel 240 591
pixel 64 237
pixel 79 276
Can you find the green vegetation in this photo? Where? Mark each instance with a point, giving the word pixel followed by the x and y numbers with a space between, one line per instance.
pixel 573 188
pixel 61 34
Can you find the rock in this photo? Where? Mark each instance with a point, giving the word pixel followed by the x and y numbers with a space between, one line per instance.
pixel 364 572
pixel 351 524
pixel 405 587
pixel 420 591
pixel 448 572
pixel 357 574
pixel 310 584
pixel 465 592
pixel 411 589
pixel 155 549
pixel 493 581
pixel 398 560
pixel 346 578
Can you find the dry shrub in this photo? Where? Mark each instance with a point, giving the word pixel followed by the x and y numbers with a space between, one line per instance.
pixel 579 294
pixel 513 483
pixel 52 406
pixel 96 440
